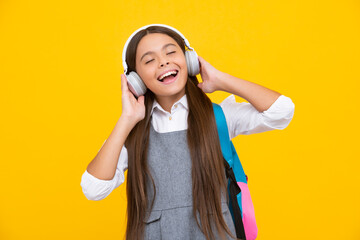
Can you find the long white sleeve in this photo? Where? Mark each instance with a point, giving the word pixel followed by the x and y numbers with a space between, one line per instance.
pixel 244 118
pixel 98 189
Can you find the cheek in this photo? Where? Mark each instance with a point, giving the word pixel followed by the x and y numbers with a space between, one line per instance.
pixel 182 59
pixel 146 74
pixel 149 81
pixel 184 65
pixel 184 68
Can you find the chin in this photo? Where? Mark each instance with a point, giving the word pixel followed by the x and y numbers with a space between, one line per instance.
pixel 170 93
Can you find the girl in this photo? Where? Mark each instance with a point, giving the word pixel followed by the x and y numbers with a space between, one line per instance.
pixel 168 141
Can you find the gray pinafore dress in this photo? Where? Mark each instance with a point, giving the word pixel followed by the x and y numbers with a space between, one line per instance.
pixel 170 165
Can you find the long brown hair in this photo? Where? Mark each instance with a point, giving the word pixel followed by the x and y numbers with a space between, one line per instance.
pixel 208 174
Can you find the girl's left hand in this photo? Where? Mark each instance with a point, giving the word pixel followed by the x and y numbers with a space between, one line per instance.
pixel 209 75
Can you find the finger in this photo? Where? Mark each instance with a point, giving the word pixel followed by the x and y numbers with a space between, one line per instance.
pixel 122 83
pixel 141 100
pixel 202 62
pixel 200 85
pixel 124 86
pixel 201 59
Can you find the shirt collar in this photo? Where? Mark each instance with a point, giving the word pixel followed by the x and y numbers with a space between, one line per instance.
pixel 182 101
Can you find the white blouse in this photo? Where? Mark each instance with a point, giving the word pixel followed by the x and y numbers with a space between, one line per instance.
pixel 241 118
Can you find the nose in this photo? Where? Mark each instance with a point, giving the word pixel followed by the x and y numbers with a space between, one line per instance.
pixel 163 62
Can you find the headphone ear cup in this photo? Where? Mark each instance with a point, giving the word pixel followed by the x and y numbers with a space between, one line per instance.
pixel 136 85
pixel 192 63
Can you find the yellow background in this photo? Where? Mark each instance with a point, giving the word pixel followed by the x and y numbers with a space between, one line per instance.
pixel 60 66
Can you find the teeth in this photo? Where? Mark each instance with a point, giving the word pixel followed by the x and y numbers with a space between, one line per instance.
pixel 167 74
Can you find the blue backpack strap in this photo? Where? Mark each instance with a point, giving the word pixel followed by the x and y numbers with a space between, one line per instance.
pixel 227 147
pixel 238 169
pixel 229 154
pixel 223 133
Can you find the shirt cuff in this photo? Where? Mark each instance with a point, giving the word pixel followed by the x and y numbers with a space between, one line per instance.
pixel 95 188
pixel 280 113
pixel 244 118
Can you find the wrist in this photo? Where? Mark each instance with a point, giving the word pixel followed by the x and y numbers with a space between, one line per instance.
pixel 220 81
pixel 127 122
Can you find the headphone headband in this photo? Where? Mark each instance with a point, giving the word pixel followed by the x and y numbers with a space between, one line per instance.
pixel 144 27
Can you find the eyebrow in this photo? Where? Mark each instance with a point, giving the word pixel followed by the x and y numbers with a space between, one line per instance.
pixel 149 52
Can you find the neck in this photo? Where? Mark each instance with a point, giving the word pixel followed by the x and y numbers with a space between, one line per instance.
pixel 166 102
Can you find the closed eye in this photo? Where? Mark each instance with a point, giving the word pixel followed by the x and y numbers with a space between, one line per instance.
pixel 167 54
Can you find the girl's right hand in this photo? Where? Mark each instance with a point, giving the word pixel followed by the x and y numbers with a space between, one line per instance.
pixel 132 109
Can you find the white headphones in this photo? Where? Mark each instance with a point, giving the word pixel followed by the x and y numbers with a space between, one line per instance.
pixel 136 85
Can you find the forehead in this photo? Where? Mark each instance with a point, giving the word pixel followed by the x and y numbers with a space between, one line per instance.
pixel 153 42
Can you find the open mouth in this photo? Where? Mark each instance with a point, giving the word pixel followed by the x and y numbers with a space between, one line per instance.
pixel 170 77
